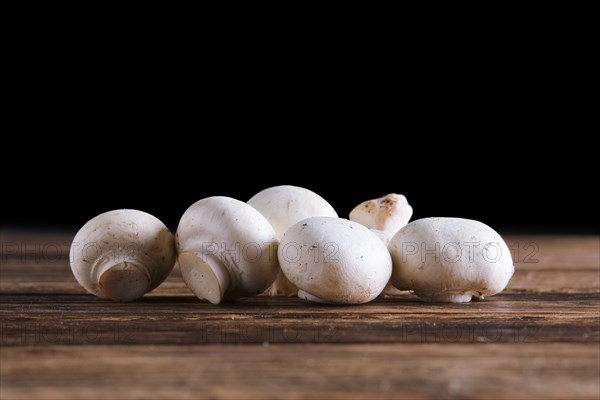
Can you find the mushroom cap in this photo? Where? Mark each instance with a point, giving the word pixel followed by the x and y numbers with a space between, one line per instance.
pixel 450 259
pixel 122 254
pixel 285 205
pixel 385 215
pixel 227 249
pixel 335 260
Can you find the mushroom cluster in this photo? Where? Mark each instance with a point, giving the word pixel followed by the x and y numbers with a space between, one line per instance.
pixel 286 241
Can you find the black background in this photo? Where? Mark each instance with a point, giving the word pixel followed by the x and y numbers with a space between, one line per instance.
pixel 462 133
pixel 512 185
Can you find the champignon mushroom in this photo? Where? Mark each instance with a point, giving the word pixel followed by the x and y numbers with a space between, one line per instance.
pixel 283 206
pixel 384 216
pixel 122 254
pixel 450 260
pixel 226 248
pixel 334 260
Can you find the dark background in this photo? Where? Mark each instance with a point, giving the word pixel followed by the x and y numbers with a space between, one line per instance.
pixel 513 186
pixel 492 130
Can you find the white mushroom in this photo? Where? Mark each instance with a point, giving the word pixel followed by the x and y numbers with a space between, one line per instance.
pixel 227 249
pixel 450 260
pixel 283 206
pixel 384 216
pixel 122 254
pixel 333 260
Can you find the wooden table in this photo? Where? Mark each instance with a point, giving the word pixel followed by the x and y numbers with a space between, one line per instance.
pixel 540 338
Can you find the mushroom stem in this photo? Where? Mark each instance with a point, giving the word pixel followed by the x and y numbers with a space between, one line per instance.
pixel 206 276
pixel 125 281
pixel 120 278
pixel 281 287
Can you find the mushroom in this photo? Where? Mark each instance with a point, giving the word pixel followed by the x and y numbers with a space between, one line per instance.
pixel 384 216
pixel 334 260
pixel 122 254
pixel 283 206
pixel 450 260
pixel 226 248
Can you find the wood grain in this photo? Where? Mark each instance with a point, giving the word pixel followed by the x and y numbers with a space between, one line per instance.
pixel 367 371
pixel 510 318
pixel 539 338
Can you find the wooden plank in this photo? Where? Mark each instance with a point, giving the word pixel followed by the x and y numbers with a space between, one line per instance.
pixel 426 371
pixel 552 297
pixel 38 320
pixel 539 338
